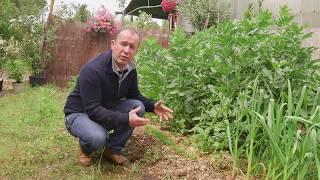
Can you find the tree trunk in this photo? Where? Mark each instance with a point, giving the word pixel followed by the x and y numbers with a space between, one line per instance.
pixel 45 31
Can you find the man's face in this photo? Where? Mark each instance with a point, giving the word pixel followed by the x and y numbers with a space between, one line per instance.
pixel 124 47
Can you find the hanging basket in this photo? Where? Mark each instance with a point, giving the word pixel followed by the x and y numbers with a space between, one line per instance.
pixel 168 5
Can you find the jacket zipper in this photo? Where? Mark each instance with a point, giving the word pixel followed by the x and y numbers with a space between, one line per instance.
pixel 119 81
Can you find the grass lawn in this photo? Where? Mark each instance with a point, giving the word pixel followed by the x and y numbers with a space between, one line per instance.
pixel 34 142
pixel 35 145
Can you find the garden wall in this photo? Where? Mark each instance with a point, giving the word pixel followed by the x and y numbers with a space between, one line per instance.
pixel 74 47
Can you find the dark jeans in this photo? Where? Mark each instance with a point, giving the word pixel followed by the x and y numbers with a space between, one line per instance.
pixel 94 136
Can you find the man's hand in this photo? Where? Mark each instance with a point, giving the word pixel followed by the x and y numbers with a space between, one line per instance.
pixel 162 111
pixel 135 120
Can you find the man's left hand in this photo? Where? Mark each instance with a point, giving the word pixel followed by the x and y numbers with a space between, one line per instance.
pixel 162 111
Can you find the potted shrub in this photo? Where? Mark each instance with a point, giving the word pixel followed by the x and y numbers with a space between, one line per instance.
pixel 30 47
pixel 36 64
pixel 15 68
pixel 10 54
pixel 31 50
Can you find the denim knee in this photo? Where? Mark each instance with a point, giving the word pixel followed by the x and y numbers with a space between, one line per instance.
pixel 95 141
pixel 137 103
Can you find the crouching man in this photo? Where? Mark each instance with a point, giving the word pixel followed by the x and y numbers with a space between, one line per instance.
pixel 107 98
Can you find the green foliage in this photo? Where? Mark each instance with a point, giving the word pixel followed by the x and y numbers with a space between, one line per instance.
pixel 72 12
pixel 203 13
pixel 144 21
pixel 278 135
pixel 153 82
pixel 248 85
pixel 65 12
pixel 29 7
pixel 15 68
pixel 7 9
pixel 11 60
pixel 201 77
pixel 82 14
pixel 31 41
pixel 72 82
pixel 13 9
pixel 20 20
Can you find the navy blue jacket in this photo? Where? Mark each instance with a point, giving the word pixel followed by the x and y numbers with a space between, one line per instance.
pixel 97 90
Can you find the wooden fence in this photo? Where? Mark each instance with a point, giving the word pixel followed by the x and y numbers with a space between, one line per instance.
pixel 74 47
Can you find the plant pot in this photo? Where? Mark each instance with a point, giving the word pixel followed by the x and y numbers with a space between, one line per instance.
pixel 37 80
pixel 1 85
pixel 17 87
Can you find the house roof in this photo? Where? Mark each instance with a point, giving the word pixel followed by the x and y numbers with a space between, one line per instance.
pixel 152 7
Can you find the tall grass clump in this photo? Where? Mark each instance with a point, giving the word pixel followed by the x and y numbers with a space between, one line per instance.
pixel 279 135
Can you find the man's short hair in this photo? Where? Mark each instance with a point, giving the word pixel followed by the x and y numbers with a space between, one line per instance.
pixel 131 30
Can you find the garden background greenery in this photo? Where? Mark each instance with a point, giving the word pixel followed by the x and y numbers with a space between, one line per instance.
pixel 246 86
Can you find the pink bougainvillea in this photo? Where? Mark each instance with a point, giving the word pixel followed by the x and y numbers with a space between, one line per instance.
pixel 168 5
pixel 103 21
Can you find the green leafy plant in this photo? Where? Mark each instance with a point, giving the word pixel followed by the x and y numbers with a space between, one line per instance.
pixel 15 68
pixel 11 60
pixel 203 14
pixel 31 43
pixel 82 13
pixel 228 85
pixel 201 76
pixel 144 21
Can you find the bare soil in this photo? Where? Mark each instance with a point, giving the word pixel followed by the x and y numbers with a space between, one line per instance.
pixel 159 161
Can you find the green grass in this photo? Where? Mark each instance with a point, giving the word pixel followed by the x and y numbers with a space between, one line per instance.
pixel 35 144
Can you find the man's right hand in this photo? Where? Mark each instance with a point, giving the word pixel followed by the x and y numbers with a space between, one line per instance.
pixel 135 120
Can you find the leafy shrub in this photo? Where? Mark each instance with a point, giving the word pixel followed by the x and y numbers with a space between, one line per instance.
pixel 15 68
pixel 203 13
pixel 202 76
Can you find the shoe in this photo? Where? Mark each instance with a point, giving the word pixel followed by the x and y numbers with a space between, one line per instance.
pixel 118 159
pixel 84 160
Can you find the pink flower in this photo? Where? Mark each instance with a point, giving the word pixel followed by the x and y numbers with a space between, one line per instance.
pixel 168 5
pixel 103 21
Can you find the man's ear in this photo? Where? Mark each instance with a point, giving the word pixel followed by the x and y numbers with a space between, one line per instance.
pixel 112 42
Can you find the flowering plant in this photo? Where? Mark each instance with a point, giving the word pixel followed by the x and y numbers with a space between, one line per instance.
pixel 169 5
pixel 103 21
